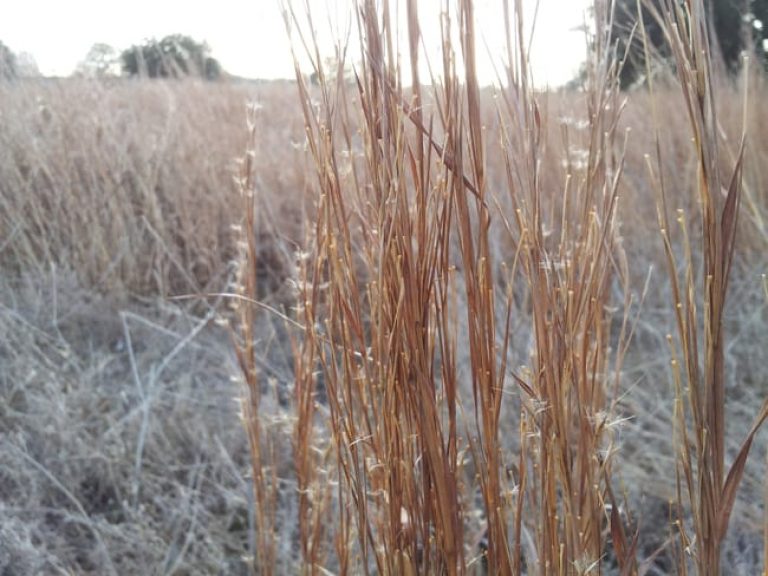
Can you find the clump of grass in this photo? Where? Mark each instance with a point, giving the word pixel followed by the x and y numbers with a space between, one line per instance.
pixel 404 276
pixel 572 260
pixel 424 433
pixel 699 366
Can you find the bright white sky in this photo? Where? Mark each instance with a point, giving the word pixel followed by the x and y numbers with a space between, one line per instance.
pixel 248 36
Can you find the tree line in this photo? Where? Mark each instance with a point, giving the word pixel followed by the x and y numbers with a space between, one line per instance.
pixel 173 56
pixel 735 25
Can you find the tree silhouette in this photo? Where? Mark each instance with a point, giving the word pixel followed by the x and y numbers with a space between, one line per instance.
pixel 172 57
pixel 736 25
pixel 8 64
pixel 101 61
pixel 26 65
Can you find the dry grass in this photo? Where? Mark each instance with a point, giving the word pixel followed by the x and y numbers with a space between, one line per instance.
pixel 700 383
pixel 128 184
pixel 106 466
pixel 422 269
pixel 120 452
pixel 440 375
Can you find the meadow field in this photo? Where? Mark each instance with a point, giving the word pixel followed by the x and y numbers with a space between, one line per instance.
pixel 287 327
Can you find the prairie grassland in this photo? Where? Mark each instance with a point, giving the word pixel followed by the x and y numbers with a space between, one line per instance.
pixel 121 450
pixel 368 443
pixel 130 184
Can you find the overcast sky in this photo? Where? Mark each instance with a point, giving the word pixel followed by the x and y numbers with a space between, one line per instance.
pixel 248 36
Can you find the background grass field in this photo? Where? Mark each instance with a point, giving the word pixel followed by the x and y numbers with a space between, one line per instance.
pixel 121 228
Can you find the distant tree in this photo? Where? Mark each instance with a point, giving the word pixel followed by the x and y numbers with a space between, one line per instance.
pixel 739 26
pixel 8 65
pixel 331 71
pixel 579 81
pixel 734 23
pixel 26 65
pixel 101 61
pixel 172 57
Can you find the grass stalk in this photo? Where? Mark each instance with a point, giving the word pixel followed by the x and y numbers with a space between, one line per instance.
pixel 701 390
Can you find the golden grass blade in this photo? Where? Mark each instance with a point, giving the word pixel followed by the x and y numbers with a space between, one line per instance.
pixel 736 472
pixel 730 215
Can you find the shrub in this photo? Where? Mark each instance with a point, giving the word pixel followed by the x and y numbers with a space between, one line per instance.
pixel 172 57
